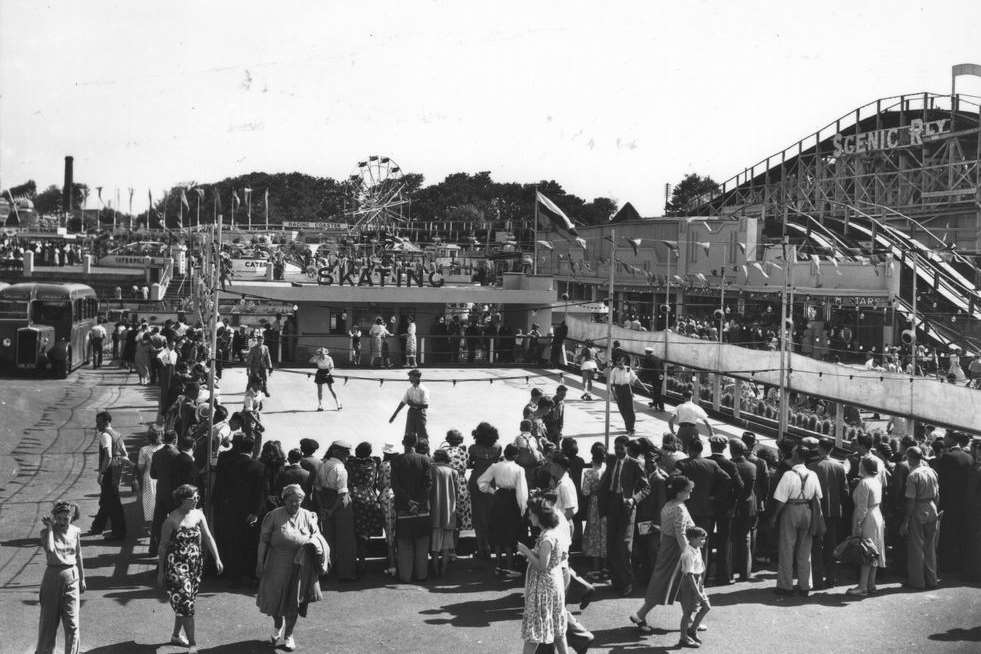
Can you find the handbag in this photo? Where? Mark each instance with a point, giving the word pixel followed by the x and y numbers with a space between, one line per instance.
pixel 856 550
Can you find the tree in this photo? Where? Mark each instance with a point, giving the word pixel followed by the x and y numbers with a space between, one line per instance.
pixel 682 195
pixel 26 190
pixel 48 201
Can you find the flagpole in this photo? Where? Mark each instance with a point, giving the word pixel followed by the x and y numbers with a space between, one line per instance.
pixel 131 210
pixel 199 209
pixel 215 264
pixel 267 209
pixel 248 200
pixel 609 332
pixel 782 417
pixel 534 262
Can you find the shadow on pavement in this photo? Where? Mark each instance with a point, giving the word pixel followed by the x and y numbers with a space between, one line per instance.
pixel 625 639
pixel 972 635
pixel 478 613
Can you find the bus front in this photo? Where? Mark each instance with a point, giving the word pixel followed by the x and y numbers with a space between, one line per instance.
pixel 22 345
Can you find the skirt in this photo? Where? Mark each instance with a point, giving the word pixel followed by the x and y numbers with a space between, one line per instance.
pixel 506 521
pixel 324 377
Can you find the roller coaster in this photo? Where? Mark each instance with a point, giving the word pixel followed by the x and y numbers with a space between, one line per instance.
pixel 896 180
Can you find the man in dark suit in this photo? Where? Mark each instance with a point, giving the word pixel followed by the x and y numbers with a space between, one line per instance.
pixel 292 473
pixel 623 485
pixel 239 495
pixel 834 487
pixel 712 485
pixel 953 468
pixel 162 469
pixel 762 490
pixel 724 511
pixel 185 471
pixel 744 513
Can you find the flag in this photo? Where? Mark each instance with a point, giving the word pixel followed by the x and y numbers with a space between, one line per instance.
pixel 635 244
pixel 672 246
pixel 701 277
pixel 742 246
pixel 200 192
pixel 817 262
pixel 545 244
pixel 704 221
pixel 705 245
pixel 266 199
pixel 745 271
pixel 184 202
pixel 555 215
pixel 834 262
pixel 759 266
pixel 98 190
pixel 235 200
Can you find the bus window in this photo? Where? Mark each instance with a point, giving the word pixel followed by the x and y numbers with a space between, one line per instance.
pixel 13 309
pixel 49 312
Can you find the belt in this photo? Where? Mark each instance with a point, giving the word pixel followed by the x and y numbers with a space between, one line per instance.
pixel 690 424
pixel 798 501
pixel 621 385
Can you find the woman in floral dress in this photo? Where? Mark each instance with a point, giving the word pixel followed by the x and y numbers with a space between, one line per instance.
pixel 363 482
pixel 386 497
pixel 180 562
pixel 544 619
pixel 458 461
pixel 594 536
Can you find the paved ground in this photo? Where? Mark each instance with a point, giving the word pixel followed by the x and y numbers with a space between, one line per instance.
pixel 47 452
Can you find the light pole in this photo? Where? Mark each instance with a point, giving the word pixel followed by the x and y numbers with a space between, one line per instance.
pixel 609 337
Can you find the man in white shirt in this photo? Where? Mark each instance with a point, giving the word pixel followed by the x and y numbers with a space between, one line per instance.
pixel 417 399
pixel 792 512
pixel 621 381
pixel 687 415
pixel 97 339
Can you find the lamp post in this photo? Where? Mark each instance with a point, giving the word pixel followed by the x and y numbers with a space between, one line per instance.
pixel 609 337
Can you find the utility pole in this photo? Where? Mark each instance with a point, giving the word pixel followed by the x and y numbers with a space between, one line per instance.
pixel 609 336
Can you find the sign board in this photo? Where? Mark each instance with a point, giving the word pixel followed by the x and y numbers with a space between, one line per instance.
pixel 312 224
pixel 916 133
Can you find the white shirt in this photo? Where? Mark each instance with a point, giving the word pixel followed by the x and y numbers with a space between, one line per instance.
pixel 789 487
pixel 690 412
pixel 98 332
pixel 620 376
pixel 691 561
pixel 566 498
pixel 417 394
pixel 325 362
pixel 505 474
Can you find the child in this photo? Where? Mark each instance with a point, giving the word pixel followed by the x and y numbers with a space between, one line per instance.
pixel 355 354
pixel 691 593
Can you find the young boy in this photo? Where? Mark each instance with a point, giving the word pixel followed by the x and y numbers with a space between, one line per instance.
pixel 691 594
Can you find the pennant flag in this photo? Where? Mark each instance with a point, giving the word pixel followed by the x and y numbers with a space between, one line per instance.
pixel 184 200
pixel 626 213
pixel 701 277
pixel 149 199
pixel 705 245
pixel 834 262
pixel 235 200
pixel 200 192
pixel 704 221
pixel 635 244
pixel 672 246
pixel 98 190
pixel 774 265
pixel 742 246
pixel 581 242
pixel 817 262
pixel 678 278
pixel 759 266
pixel 555 215
pixel 267 199
pixel 545 244
pixel 745 271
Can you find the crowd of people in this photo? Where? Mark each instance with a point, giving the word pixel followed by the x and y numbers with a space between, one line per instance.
pixel 664 517
pixel 47 252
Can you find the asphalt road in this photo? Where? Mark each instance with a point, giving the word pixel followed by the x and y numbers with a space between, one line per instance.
pixel 47 452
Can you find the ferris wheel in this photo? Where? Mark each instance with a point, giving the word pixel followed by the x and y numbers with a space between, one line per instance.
pixel 378 194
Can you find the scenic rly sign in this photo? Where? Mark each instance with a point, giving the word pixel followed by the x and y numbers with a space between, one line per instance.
pixel 890 139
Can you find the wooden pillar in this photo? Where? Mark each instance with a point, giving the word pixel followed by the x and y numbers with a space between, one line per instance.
pixel 737 395
pixel 839 429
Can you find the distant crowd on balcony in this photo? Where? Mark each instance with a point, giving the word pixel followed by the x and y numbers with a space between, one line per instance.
pixel 46 252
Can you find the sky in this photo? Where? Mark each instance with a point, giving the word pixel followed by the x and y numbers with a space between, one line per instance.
pixel 611 99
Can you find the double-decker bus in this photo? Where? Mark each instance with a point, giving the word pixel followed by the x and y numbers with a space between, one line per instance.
pixel 46 326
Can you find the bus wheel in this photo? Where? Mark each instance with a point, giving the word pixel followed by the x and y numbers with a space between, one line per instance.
pixel 60 367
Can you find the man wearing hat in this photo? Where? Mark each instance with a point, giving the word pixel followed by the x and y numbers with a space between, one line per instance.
pixel 834 487
pixel 920 522
pixel 259 363
pixel 724 510
pixel 417 399
pixel 336 511
pixel 792 500
pixel 650 373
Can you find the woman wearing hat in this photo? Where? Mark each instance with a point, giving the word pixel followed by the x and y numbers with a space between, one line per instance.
pixel 325 366
pixel 284 531
pixel 63 581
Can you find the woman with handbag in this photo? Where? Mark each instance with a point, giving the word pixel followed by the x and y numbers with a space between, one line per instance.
pixel 867 522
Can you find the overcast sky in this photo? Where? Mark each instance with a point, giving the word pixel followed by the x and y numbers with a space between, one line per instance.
pixel 607 98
